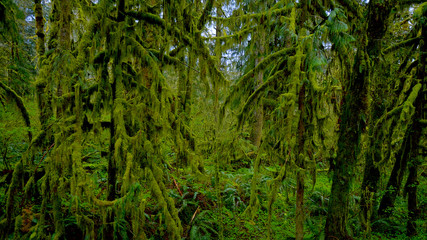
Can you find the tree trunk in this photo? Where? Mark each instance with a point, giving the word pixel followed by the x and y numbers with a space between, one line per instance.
pixel 112 161
pixel 420 113
pixel 411 189
pixel 412 182
pixel 218 54
pixel 395 180
pixel 183 111
pixel 352 122
pixel 43 97
pixel 299 212
pixel 372 173
pixel 370 184
pixel 379 13
pixel 351 128
pixel 256 133
pixel 38 11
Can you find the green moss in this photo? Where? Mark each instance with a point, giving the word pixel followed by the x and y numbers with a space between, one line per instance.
pixel 405 120
pixel 254 203
pixel 165 202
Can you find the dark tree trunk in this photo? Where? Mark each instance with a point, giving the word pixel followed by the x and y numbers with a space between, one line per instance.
pixel 351 128
pixel 184 111
pixel 420 113
pixel 256 133
pixel 43 97
pixel 395 180
pixel 411 189
pixel 38 11
pixel 379 13
pixel 352 120
pixel 412 182
pixel 112 166
pixel 370 184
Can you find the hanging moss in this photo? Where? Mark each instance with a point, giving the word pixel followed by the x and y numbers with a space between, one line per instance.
pixel 252 209
pixel 173 226
pixel 274 187
pixel 405 118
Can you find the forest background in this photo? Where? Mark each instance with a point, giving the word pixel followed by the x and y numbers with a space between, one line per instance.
pixel 228 119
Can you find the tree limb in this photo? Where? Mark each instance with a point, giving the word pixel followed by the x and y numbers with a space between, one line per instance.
pixel 20 104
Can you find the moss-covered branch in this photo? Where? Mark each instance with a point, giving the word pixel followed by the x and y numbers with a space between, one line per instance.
pixel 203 19
pixel 352 6
pixel 255 95
pixel 20 104
pixel 246 17
pixel 169 59
pixel 243 85
pixel 402 44
pixel 236 36
pixel 263 64
pixel 197 44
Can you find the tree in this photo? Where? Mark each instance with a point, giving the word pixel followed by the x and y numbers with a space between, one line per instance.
pixel 400 150
pixel 290 71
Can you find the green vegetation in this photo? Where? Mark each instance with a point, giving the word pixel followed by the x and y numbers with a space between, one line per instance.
pixel 227 119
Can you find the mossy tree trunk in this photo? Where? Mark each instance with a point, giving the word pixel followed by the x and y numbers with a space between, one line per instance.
pixel 260 39
pixel 299 211
pixel 63 85
pixel 43 95
pixel 218 55
pixel 395 180
pixel 412 183
pixel 378 20
pixel 259 45
pixel 353 114
pixel 38 12
pixel 116 116
pixel 216 127
pixel 351 128
pixel 186 146
pixel 301 132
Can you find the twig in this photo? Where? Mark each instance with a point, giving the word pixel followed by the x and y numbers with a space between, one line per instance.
pixel 333 237
pixel 44 155
pixel 177 187
pixel 194 214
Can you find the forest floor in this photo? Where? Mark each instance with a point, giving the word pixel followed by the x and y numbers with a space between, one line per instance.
pixel 206 211
pixel 235 193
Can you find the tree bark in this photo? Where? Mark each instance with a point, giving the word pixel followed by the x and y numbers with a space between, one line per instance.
pixel 395 181
pixel 183 111
pixel 352 120
pixel 112 163
pixel 299 212
pixel 43 97
pixel 38 11
pixel 351 128
pixel 420 113
pixel 256 133
pixel 411 189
